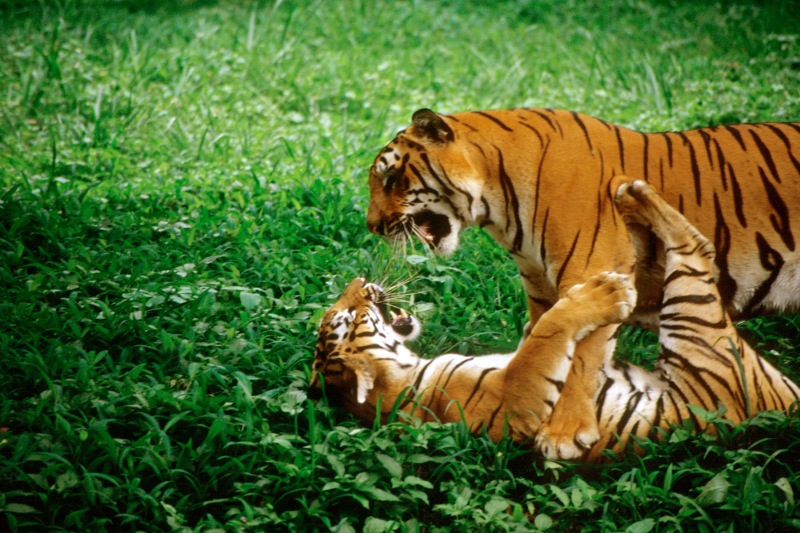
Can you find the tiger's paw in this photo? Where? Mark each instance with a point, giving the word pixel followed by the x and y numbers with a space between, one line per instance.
pixel 566 437
pixel 606 298
pixel 638 202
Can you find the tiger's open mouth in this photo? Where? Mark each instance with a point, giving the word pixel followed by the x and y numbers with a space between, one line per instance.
pixel 398 319
pixel 431 227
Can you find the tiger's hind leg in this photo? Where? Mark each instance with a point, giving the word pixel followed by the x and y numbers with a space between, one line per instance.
pixel 702 354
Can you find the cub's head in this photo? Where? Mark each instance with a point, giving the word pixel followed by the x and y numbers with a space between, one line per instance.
pixel 422 184
pixel 359 333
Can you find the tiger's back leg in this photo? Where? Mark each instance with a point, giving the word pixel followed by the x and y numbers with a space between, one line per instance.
pixel 702 354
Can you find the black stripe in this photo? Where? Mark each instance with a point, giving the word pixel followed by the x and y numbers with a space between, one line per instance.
pixel 654 433
pixel 669 147
pixel 707 142
pixel 417 383
pixel 734 131
pixel 695 167
pixel 535 131
pixel 681 407
pixel 621 147
pixel 542 246
pixel 585 131
pixel 767 155
pixel 690 299
pixel 477 385
pixel 772 261
pixel 548 120
pixel 780 219
pixel 793 125
pixel 567 259
pixel 630 408
pixel 721 163
pixel 778 133
pixel 537 197
pixel 494 415
pixel 493 119
pixel 738 201
pixel 464 124
pixel 445 189
pixel 600 399
pixel 557 383
pixel 597 226
pixel 726 285
pixel 700 377
pixel 510 196
pixel 447 381
pixel 479 147
pixel 442 390
pixel 681 317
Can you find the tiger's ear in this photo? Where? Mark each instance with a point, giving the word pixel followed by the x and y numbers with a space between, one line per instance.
pixel 432 126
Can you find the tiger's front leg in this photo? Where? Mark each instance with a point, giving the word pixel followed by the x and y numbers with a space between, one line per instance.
pixel 572 427
pixel 537 373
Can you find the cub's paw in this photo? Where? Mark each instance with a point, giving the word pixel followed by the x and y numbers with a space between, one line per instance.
pixel 566 435
pixel 606 298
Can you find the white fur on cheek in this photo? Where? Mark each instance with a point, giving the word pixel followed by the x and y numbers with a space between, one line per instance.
pixel 449 243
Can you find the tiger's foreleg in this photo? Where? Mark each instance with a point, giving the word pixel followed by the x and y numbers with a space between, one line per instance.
pixel 572 429
pixel 537 375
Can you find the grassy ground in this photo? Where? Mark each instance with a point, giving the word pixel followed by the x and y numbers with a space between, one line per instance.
pixel 184 192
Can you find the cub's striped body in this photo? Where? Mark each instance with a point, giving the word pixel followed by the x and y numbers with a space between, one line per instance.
pixel 365 366
pixel 538 180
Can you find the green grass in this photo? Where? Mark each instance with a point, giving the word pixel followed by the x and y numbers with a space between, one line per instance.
pixel 183 194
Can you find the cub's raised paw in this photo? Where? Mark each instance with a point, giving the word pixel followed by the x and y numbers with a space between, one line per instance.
pixel 569 440
pixel 606 298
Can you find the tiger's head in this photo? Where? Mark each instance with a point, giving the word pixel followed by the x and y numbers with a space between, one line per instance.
pixel 422 184
pixel 360 344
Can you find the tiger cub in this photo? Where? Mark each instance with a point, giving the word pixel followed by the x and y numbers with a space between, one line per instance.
pixel 539 182
pixel 362 362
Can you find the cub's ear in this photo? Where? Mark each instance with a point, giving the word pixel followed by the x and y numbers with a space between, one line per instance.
pixel 432 126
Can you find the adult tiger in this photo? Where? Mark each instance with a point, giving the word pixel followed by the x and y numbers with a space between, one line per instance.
pixel 538 181
pixel 361 360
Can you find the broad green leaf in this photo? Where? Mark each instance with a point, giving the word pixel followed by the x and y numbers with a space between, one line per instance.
pixel 714 491
pixel 20 508
pixel 249 300
pixel 394 468
pixel 787 489
pixel 642 526
pixel 543 522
